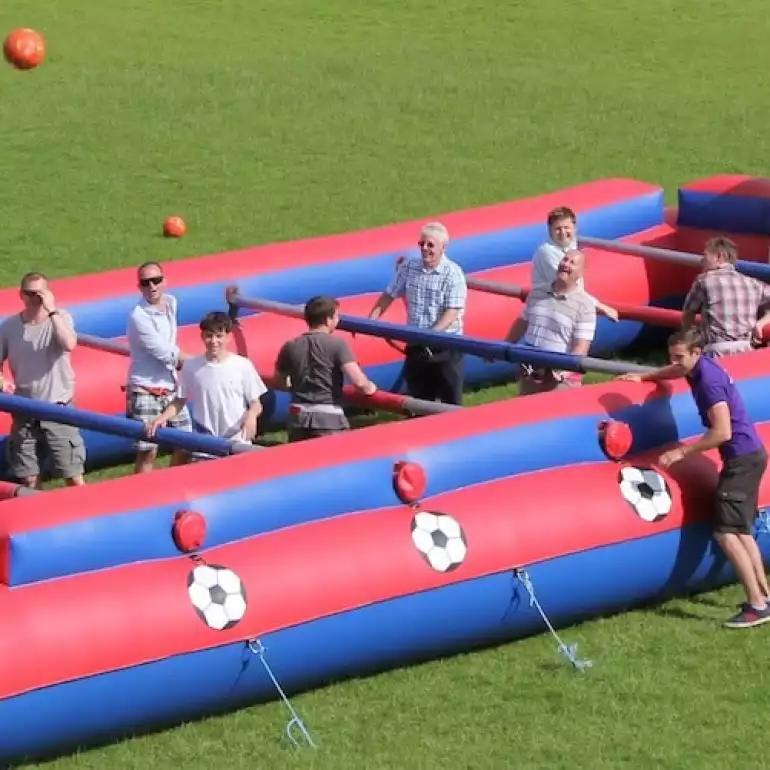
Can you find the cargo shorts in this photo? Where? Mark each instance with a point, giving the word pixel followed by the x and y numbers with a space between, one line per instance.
pixel 29 436
pixel 145 406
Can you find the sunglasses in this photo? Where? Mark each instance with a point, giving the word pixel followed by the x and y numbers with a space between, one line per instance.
pixel 427 244
pixel 154 281
pixel 31 294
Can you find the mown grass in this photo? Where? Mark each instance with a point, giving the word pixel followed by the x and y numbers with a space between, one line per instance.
pixel 260 120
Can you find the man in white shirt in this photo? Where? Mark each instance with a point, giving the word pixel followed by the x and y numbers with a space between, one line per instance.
pixel 562 229
pixel 155 361
pixel 223 388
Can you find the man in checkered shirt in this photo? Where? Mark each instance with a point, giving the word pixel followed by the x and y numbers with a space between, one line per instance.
pixel 435 292
pixel 728 301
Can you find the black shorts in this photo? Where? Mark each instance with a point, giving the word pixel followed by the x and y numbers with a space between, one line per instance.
pixel 737 494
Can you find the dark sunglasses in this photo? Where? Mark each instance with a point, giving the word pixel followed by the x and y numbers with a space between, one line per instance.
pixel 154 281
pixel 429 244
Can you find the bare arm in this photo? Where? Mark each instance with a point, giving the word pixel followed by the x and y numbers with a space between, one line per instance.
pixel 171 411
pixel 517 331
pixel 719 432
pixel 688 319
pixel 358 379
pixel 63 332
pixel 384 301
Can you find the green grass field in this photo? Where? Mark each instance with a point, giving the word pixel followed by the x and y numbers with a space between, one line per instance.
pixel 263 121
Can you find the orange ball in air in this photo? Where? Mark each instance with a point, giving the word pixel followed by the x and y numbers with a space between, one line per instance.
pixel 24 49
pixel 174 227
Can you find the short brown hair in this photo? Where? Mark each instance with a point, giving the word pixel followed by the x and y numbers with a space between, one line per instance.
pixel 690 338
pixel 318 310
pixel 723 247
pixel 32 276
pixel 562 212
pixel 215 322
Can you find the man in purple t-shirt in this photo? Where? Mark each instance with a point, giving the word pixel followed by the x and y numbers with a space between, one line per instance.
pixel 744 461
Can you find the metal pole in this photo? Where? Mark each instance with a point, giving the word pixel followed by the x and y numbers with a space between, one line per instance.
pixel 474 346
pixel 100 343
pixel 120 426
pixel 754 269
pixel 653 316
pixel 495 287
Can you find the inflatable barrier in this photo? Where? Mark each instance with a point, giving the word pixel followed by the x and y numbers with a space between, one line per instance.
pixel 494 243
pixel 150 600
pixel 394 544
pixel 731 203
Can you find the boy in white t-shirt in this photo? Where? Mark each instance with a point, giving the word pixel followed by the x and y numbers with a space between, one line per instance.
pixel 562 232
pixel 222 388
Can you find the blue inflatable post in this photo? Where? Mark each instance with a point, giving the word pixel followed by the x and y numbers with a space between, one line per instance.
pixel 473 346
pixel 121 426
pixel 754 269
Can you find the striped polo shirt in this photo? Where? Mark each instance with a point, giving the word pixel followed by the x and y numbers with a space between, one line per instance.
pixel 555 321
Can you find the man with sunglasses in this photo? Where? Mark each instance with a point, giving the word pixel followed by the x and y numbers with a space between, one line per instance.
pixel 37 344
pixel 435 292
pixel 155 360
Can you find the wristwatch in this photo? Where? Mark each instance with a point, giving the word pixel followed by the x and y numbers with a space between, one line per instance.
pixel 53 312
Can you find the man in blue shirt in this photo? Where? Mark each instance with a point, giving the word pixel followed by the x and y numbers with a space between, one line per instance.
pixel 155 361
pixel 744 460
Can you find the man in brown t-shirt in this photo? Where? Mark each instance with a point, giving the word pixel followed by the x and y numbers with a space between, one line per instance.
pixel 313 366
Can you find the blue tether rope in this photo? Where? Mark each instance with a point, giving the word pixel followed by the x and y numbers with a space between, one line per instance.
pixel 569 651
pixel 256 646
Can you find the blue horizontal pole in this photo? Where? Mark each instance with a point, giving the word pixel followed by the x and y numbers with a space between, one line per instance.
pixel 475 346
pixel 120 426
pixel 754 269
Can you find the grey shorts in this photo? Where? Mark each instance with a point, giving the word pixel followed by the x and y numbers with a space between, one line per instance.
pixel 64 444
pixel 147 407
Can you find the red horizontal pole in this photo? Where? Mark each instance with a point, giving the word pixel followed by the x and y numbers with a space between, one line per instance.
pixel 654 316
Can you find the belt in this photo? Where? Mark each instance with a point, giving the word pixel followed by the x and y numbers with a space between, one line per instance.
pixel 316 408
pixel 541 374
pixel 157 392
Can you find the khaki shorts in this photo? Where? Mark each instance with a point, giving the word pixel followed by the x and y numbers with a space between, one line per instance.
pixel 64 444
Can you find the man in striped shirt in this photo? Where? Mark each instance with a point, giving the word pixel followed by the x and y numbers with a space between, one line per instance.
pixel 435 292
pixel 728 301
pixel 560 318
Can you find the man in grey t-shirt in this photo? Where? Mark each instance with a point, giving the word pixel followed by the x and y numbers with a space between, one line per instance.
pixel 37 344
pixel 313 366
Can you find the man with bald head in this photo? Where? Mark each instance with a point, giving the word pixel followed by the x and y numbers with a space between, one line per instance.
pixel 559 318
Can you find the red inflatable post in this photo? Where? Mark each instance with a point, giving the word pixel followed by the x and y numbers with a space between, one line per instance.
pixel 409 481
pixel 189 531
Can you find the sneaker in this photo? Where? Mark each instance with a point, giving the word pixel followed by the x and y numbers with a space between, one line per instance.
pixel 749 617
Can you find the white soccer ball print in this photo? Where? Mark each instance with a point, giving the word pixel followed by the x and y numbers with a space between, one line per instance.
pixel 218 595
pixel 647 492
pixel 440 540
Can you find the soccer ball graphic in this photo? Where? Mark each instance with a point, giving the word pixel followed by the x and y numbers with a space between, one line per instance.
pixel 646 491
pixel 218 596
pixel 440 540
